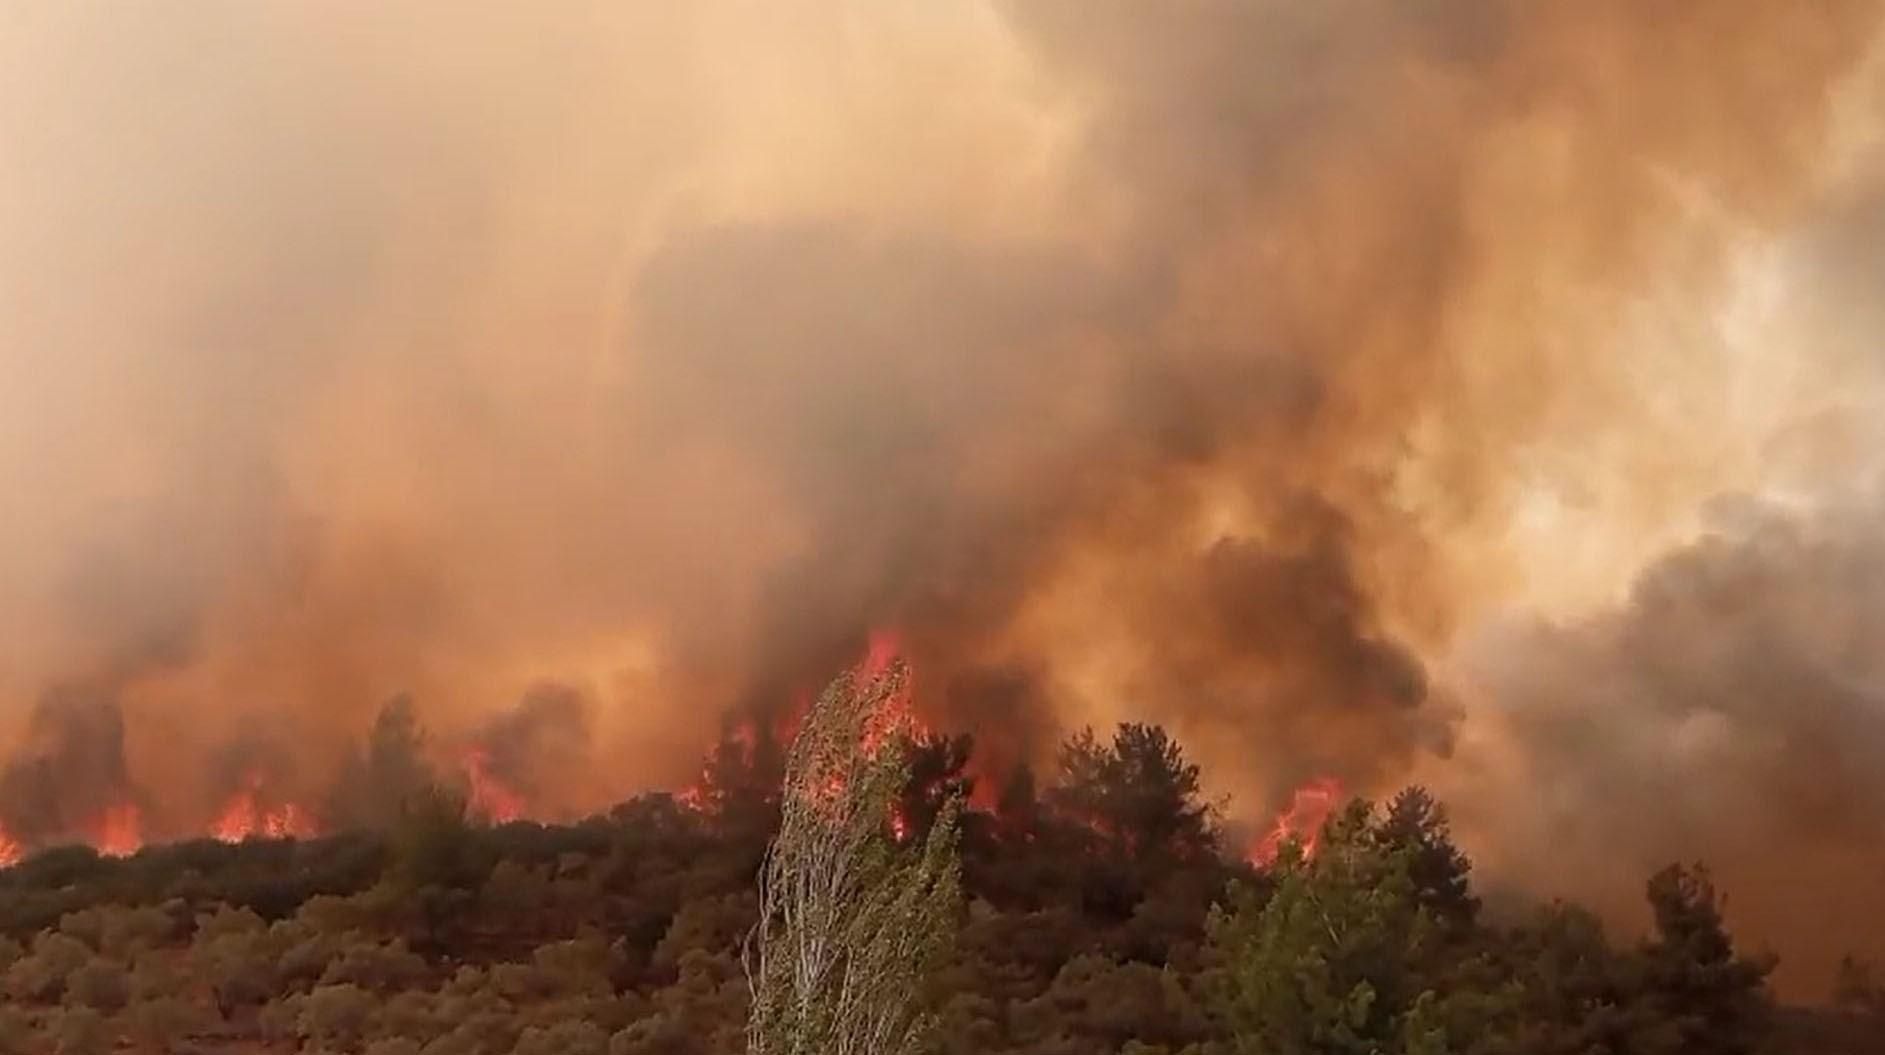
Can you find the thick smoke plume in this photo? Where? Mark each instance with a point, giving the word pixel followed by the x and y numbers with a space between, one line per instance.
pixel 1222 364
pixel 1731 710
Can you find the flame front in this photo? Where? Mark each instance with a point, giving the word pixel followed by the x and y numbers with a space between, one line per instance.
pixel 490 798
pixel 247 817
pixel 1309 808
pixel 118 831
pixel 10 849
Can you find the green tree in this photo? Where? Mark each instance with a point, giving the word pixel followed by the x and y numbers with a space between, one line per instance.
pixel 850 924
pixel 1139 793
pixel 1717 998
pixel 1334 960
pixel 377 785
pixel 1441 874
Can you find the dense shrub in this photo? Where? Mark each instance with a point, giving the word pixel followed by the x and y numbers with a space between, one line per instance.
pixel 1087 929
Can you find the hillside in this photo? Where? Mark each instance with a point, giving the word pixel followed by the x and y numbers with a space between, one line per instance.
pixel 1089 926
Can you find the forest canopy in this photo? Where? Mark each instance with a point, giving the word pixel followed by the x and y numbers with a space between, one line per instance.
pixel 1101 912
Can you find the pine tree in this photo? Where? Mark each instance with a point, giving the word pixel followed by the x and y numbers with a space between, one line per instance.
pixel 1717 999
pixel 1441 874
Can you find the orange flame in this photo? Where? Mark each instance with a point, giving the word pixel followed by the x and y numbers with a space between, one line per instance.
pixel 490 798
pixel 10 849
pixel 118 831
pixel 1309 808
pixel 894 715
pixel 244 817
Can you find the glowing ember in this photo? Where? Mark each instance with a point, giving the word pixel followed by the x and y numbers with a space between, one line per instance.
pixel 10 850
pixel 245 817
pixel 118 832
pixel 490 798
pixel 899 825
pixel 1309 807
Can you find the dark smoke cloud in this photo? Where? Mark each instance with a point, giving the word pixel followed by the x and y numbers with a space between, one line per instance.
pixel 68 770
pixel 1732 710
pixel 541 750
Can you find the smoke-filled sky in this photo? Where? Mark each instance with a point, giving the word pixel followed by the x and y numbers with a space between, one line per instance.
pixel 1488 393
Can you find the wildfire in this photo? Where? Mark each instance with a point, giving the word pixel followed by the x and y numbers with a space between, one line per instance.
pixel 10 849
pixel 245 817
pixel 490 798
pixel 118 831
pixel 1309 807
pixel 895 715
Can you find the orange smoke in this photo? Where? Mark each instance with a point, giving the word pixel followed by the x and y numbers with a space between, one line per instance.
pixel 1309 808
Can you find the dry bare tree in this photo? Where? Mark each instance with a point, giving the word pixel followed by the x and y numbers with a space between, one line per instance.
pixel 851 921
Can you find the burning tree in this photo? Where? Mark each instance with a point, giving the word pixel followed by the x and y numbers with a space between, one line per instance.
pixel 850 923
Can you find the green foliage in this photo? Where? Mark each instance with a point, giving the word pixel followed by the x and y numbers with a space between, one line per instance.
pixel 380 967
pixel 154 1024
pixel 1086 930
pixel 1139 793
pixel 1441 874
pixel 432 843
pixel 1334 959
pixel 1717 998
pixel 102 985
pixel 336 1017
pixel 564 1038
pixel 850 924
pixel 80 1031
pixel 42 974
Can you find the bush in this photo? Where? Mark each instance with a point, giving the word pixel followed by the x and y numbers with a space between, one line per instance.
pixel 235 966
pixel 226 921
pixel 10 953
pixel 413 1013
pixel 42 975
pixel 304 962
pixel 80 1031
pixel 125 932
pixel 101 985
pixel 16 1031
pixel 156 1023
pixel 564 1038
pixel 280 1020
pixel 336 1016
pixel 381 968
